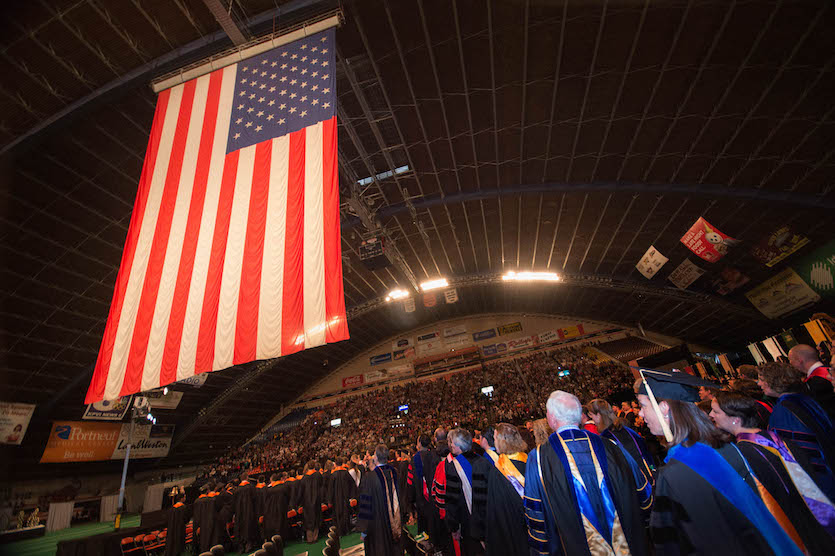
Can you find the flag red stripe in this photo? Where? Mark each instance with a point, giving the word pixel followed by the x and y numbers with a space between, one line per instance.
pixel 171 353
pixel 96 390
pixel 246 325
pixel 334 298
pixel 208 317
pixel 292 304
pixel 153 274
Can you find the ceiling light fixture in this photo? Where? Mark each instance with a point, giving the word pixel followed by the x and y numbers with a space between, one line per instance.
pixel 531 276
pixel 434 284
pixel 397 294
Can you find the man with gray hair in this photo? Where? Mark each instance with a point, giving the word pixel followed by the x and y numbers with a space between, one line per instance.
pixel 577 473
pixel 467 476
pixel 379 513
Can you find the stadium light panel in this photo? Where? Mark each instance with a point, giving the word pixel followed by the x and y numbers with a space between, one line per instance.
pixel 531 276
pixel 434 284
pixel 397 294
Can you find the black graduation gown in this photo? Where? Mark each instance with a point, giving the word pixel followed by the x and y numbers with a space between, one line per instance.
pixel 691 517
pixel 311 501
pixel 374 514
pixel 175 539
pixel 342 485
pixel 473 526
pixel 402 488
pixel 507 533
pixel 246 522
pixel 276 505
pixel 224 510
pixel 769 469
pixel 438 531
pixel 204 520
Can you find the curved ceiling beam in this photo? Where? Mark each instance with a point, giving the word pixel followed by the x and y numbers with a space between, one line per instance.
pixel 699 189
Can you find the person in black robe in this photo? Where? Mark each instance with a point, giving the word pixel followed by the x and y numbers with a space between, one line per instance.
pixel 402 467
pixel 417 495
pixel 246 522
pixel 224 510
pixel 260 502
pixel 379 518
pixel 439 533
pixel 507 533
pixel 466 496
pixel 310 495
pixel 342 487
pixel 178 516
pixel 276 505
pixel 203 512
pixel 581 491
pixel 706 501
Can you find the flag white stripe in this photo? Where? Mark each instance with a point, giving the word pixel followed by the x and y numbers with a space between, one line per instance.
pixel 272 267
pixel 230 284
pixel 197 288
pixel 133 292
pixel 168 279
pixel 314 240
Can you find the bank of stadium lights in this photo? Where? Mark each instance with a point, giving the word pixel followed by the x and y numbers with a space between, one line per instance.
pixel 434 284
pixel 394 295
pixel 531 277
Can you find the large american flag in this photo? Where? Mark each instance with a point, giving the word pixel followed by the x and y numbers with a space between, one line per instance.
pixel 233 251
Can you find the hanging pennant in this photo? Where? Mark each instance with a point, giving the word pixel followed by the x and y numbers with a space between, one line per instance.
pixel 409 305
pixel 429 300
pixel 451 295
pixel 756 353
pixel 651 262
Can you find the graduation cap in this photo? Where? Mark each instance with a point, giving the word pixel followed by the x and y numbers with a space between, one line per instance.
pixel 670 385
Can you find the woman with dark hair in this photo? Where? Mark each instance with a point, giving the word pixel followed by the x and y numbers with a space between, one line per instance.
pixel 791 496
pixel 801 421
pixel 706 500
pixel 613 427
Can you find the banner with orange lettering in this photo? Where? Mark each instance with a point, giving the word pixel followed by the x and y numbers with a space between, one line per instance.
pixel 71 441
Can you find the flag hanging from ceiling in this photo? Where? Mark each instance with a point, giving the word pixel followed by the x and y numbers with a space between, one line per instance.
pixel 233 251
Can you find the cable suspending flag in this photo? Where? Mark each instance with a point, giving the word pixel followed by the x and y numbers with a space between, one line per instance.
pixel 233 251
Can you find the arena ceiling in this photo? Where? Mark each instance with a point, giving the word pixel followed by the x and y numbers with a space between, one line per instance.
pixel 480 136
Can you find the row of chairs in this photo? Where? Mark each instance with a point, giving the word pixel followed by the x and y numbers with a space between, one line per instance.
pixel 150 543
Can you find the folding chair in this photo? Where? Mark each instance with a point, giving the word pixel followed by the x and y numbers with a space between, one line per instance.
pixel 128 545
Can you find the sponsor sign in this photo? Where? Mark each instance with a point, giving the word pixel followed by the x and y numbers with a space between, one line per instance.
pixel 71 441
pixel 455 331
pixel 818 270
pixel 400 371
pixel 729 280
pixel 158 400
pixel 484 335
pixel 571 331
pixel 548 336
pixel 685 274
pixel 402 343
pixel 451 295
pixel 429 299
pixel 778 245
pixel 501 347
pixel 14 420
pixel 380 359
pixel 782 294
pixel 706 241
pixel 519 343
pixel 195 381
pixel 489 350
pixel 427 348
pixel 351 381
pixel 403 353
pixel 107 410
pixel 428 337
pixel 651 262
pixel 457 342
pixel 511 328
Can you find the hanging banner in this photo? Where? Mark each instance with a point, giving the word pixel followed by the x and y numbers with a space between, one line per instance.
pixel 451 295
pixel 651 262
pixel 778 245
pixel 402 343
pixel 788 339
pixel 729 280
pixel 706 241
pixel 14 420
pixel 455 331
pixel 519 343
pixel 484 335
pixel 726 363
pixel 159 400
pixel 782 294
pixel 429 299
pixel 380 359
pixel 428 337
pixel 403 353
pixel 702 371
pixel 756 353
pixel 409 304
pixel 773 347
pixel 818 269
pixel 685 274
pixel 352 381
pixel 816 331
pixel 510 328
pixel 71 441
pixel 107 410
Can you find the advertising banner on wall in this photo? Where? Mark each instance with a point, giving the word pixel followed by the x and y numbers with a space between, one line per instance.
pixel 484 335
pixel 399 371
pixel 428 348
pixel 403 353
pixel 519 343
pixel 402 343
pixel 706 241
pixel 71 441
pixel 107 410
pixel 380 359
pixel 548 336
pixel 159 400
pixel 14 420
pixel 685 274
pixel 428 337
pixel 511 328
pixel 651 262
pixel 782 294
pixel 351 381
pixel 571 331
pixel 457 342
pixel 778 245
pixel 818 269
pixel 455 331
